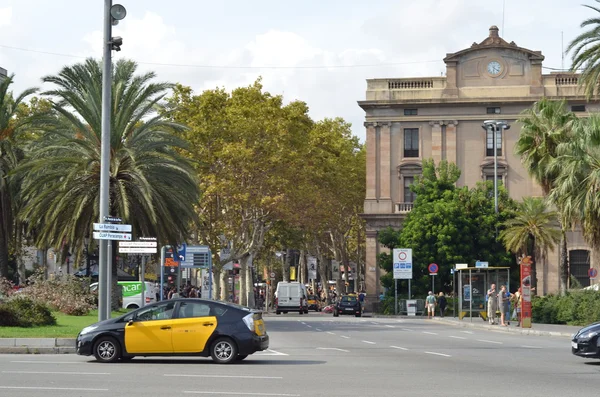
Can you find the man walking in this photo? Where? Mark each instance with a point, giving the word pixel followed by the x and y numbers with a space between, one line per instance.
pixel 492 304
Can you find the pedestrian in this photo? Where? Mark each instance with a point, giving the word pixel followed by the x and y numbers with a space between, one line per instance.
pixel 431 301
pixel 492 303
pixel 442 303
pixel 509 298
pixel 517 305
pixel 502 303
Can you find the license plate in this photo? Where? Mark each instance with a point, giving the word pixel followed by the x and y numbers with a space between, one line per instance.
pixel 349 309
pixel 574 345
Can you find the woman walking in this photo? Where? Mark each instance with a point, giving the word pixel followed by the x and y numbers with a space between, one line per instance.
pixel 442 303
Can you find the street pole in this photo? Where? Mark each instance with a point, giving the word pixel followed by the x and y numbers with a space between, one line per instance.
pixel 163 255
pixel 396 296
pixel 143 280
pixel 103 268
pixel 433 284
pixel 495 130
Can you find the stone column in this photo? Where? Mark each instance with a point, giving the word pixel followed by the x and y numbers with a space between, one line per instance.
pixel 451 141
pixel 371 269
pixel 385 167
pixel 371 161
pixel 436 141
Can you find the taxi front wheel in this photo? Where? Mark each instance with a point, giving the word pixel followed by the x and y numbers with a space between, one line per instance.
pixel 107 350
pixel 223 351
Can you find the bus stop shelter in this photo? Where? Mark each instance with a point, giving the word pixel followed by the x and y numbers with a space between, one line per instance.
pixel 473 283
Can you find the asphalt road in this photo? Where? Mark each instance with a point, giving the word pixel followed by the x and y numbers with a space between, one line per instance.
pixel 318 355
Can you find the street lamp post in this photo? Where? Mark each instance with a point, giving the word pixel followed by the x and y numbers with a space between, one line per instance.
pixel 495 127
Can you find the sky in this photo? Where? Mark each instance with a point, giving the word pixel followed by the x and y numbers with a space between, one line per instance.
pixel 318 51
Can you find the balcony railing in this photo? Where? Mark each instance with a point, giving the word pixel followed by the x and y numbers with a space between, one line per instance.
pixel 566 80
pixel 404 208
pixel 410 84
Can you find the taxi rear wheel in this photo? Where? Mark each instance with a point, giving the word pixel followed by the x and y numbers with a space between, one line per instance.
pixel 223 351
pixel 107 350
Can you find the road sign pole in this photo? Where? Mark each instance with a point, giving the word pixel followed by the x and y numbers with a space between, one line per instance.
pixel 163 255
pixel 433 284
pixel 143 280
pixel 396 296
pixel 409 280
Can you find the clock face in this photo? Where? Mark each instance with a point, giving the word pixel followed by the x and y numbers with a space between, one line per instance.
pixel 494 68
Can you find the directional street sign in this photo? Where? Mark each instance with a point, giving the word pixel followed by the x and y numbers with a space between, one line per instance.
pixel 138 244
pixel 137 250
pixel 111 227
pixel 196 256
pixel 111 236
pixel 480 264
pixel 112 219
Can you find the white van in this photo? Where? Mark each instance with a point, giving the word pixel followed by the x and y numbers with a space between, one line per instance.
pixel 132 293
pixel 291 297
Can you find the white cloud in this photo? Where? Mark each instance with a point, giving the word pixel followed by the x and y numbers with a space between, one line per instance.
pixel 5 16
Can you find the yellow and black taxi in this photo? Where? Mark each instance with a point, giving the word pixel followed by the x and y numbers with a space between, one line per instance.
pixel 314 303
pixel 178 327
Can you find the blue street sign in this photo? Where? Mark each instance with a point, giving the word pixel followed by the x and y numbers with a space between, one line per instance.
pixel 181 252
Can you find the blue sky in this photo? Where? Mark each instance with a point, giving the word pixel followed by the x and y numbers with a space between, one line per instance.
pixel 318 48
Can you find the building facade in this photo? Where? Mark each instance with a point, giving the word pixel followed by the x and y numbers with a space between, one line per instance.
pixel 409 120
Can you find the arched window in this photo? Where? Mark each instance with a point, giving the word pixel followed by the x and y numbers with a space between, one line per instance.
pixel 579 262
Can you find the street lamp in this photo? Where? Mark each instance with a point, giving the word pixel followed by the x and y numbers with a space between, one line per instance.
pixel 495 127
pixel 112 14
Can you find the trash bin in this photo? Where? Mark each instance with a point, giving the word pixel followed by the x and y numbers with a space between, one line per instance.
pixel 411 307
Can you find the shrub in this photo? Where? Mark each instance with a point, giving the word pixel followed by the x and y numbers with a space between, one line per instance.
pixel 8 317
pixel 27 312
pixel 578 307
pixel 6 288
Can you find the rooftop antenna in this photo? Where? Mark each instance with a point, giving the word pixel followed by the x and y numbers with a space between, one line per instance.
pixel 503 8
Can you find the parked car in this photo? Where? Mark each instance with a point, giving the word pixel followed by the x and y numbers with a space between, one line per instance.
pixel 225 331
pixel 290 297
pixel 348 304
pixel 132 293
pixel 314 303
pixel 586 342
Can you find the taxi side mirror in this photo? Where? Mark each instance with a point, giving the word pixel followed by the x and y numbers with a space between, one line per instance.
pixel 130 322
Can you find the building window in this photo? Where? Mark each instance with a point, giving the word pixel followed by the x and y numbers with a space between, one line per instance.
pixel 579 262
pixel 489 148
pixel 411 142
pixel 491 178
pixel 578 108
pixel 493 110
pixel 410 112
pixel 409 196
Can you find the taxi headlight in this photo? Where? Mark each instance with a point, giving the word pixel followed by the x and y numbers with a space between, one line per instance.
pixel 249 321
pixel 87 330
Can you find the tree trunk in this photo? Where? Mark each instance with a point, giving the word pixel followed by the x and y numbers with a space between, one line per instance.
pixel 534 257
pixel 251 301
pixel 243 299
pixel 287 264
pixel 302 267
pixel 322 269
pixel 3 245
pixel 564 262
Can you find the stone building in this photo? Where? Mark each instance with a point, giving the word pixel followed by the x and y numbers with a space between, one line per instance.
pixel 412 119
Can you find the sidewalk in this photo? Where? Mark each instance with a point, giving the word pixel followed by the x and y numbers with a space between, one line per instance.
pixel 564 331
pixel 37 346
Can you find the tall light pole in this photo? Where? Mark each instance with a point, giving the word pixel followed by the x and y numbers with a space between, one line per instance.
pixel 495 127
pixel 112 14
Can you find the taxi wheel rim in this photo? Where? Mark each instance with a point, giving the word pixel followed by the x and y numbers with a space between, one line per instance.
pixel 106 350
pixel 223 350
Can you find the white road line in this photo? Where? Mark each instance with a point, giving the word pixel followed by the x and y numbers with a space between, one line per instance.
pixel 318 329
pixel 438 354
pixel 369 342
pixel 270 353
pixel 55 373
pixel 45 362
pixel 457 337
pixel 309 326
pixel 333 348
pixel 406 329
pixel 302 322
pixel 531 347
pixel 331 333
pixel 489 341
pixel 390 326
pixel 50 388
pixel 398 347
pixel 467 332
pixel 373 322
pixel 235 393
pixel 345 337
pixel 223 376
pixel 429 333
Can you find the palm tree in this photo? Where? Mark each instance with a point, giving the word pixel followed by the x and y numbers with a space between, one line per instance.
pixel 531 231
pixel 10 126
pixel 578 185
pixel 586 53
pixel 152 186
pixel 545 126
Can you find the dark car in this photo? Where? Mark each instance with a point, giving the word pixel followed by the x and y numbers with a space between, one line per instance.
pixel 348 304
pixel 586 342
pixel 187 327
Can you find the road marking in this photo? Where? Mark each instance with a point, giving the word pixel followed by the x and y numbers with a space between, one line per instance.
pixel 309 326
pixel 398 347
pixel 467 332
pixel 56 373
pixel 489 341
pixel 45 362
pixel 438 354
pixel 531 347
pixel 407 329
pixel 271 353
pixel 457 337
pixel 318 329
pixel 235 393
pixel 331 333
pixel 373 322
pixel 399 321
pixel 369 342
pixel 429 333
pixel 333 348
pixel 302 322
pixel 345 337
pixel 223 376
pixel 390 326
pixel 50 388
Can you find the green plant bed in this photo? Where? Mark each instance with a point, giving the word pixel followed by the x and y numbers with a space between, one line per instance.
pixel 66 326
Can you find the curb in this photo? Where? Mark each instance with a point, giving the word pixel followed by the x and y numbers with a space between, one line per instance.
pixel 523 331
pixel 37 346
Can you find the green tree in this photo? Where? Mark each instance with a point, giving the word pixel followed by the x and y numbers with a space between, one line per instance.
pixel 10 155
pixel 545 126
pixel 152 186
pixel 531 231
pixel 586 53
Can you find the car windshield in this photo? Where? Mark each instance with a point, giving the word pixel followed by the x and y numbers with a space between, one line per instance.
pixel 312 297
pixel 348 298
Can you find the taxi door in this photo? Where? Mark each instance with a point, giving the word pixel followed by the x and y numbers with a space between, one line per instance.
pixel 192 327
pixel 150 330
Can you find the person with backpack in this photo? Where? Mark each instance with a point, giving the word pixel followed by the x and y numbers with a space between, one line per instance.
pixel 431 302
pixel 442 303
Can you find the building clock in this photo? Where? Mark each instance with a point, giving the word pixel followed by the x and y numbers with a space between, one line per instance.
pixel 494 68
